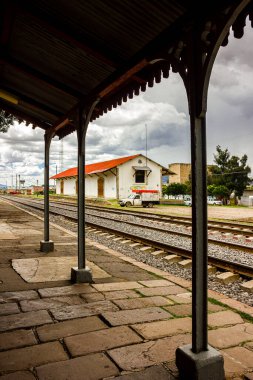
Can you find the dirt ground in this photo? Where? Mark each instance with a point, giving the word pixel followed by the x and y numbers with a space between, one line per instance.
pixel 243 214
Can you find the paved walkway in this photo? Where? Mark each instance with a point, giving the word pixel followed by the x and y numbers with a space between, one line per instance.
pixel 127 325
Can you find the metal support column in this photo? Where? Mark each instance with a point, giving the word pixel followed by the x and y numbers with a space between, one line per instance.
pixel 198 361
pixel 46 245
pixel 199 234
pixel 82 273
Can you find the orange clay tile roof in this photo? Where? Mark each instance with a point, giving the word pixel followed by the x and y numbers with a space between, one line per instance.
pixel 98 167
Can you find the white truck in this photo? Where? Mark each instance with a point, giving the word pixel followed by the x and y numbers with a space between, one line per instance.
pixel 144 198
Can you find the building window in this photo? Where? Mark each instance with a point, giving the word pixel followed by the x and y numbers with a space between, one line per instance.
pixel 139 176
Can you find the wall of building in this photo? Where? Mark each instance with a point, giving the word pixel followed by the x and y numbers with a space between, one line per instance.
pixel 182 172
pixel 110 186
pixel 58 186
pixel 91 186
pixel 247 198
pixel 127 177
pixel 69 186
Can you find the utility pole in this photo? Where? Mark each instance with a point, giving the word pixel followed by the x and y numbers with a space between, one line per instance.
pixel 61 156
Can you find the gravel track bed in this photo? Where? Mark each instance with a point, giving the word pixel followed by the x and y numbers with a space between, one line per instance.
pixel 231 290
pixel 168 227
pixel 178 241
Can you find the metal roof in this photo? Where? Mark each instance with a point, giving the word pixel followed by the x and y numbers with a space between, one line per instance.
pixel 58 54
pixel 97 167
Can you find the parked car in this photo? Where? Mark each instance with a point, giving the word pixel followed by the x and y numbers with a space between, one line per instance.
pixel 214 202
pixel 210 201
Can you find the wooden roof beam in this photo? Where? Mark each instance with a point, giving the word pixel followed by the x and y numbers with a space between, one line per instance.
pixel 32 102
pixel 59 31
pixel 8 14
pixel 22 115
pixel 38 76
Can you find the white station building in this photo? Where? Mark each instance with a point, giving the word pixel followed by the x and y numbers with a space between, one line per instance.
pixel 114 178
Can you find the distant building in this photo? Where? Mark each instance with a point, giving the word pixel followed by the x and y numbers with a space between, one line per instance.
pixel 114 178
pixel 182 172
pixel 247 198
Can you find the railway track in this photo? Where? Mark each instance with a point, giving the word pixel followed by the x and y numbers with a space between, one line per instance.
pixel 237 229
pixel 137 237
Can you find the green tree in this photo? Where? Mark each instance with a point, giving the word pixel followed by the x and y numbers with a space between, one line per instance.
pixel 221 192
pixel 210 189
pixel 230 171
pixel 6 120
pixel 176 189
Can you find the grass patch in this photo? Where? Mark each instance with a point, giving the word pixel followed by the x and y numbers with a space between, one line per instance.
pixel 246 316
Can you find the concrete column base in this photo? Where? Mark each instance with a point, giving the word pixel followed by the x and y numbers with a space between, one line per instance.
pixel 81 275
pixel 46 246
pixel 206 365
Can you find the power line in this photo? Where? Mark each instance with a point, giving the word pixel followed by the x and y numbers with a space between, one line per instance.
pixel 241 172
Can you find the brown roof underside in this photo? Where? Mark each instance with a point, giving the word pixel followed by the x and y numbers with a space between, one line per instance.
pixel 56 55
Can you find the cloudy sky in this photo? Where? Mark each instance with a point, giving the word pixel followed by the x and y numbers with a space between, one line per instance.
pixel 163 109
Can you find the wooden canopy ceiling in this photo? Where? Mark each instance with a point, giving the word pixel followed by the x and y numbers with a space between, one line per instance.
pixel 56 55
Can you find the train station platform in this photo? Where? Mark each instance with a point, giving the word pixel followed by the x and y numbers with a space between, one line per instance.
pixel 126 325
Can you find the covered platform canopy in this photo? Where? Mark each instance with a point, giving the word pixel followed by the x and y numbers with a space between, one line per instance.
pixel 56 55
pixel 66 63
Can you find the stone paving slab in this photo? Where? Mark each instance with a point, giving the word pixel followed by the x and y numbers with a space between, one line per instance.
pixel 16 339
pixel 233 368
pixel 66 290
pixel 181 298
pixel 68 328
pixel 180 310
pixel 124 317
pixel 231 336
pixel 117 286
pixel 22 320
pixel 93 297
pixel 154 330
pixel 157 372
pixel 137 303
pixel 248 376
pixel 20 375
pixel 162 291
pixel 9 308
pixel 121 294
pixel 102 340
pixel 155 283
pixel 223 318
pixel 93 367
pixel 6 232
pixel 24 358
pixel 78 311
pixel 50 303
pixel 143 355
pixel 240 354
pixel 51 268
pixel 237 305
pixel 185 309
pixel 18 296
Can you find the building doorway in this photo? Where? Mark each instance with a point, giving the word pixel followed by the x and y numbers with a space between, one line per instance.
pixel 101 187
pixel 62 186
